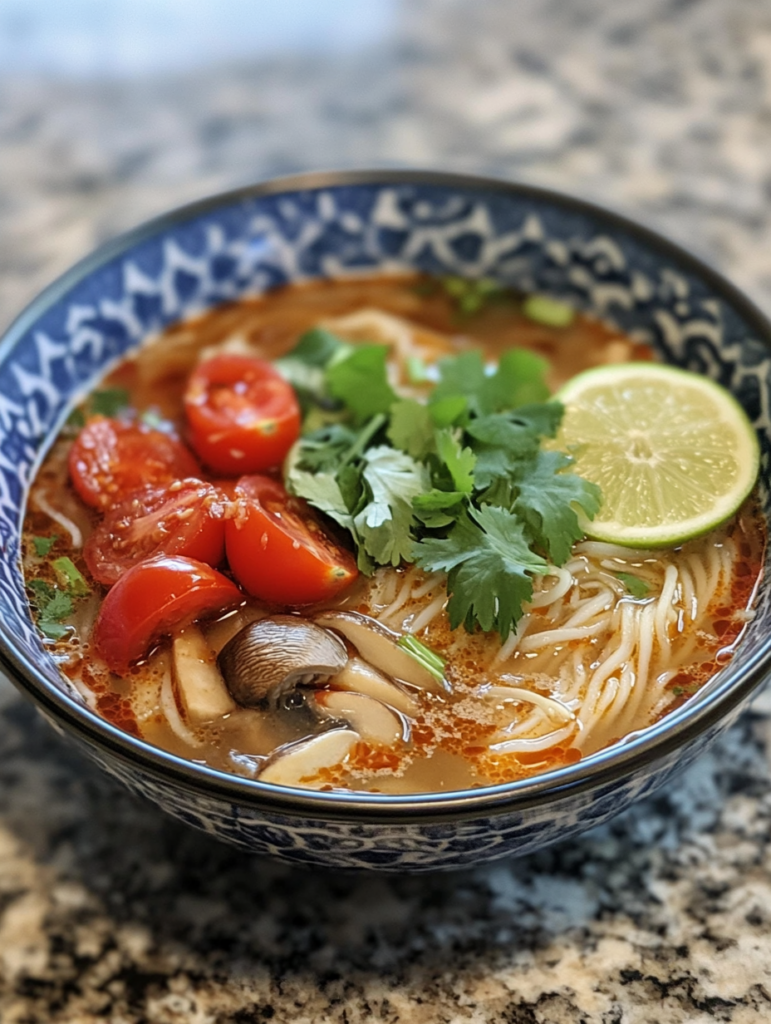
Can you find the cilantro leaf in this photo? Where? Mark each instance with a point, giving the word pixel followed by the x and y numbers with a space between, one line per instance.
pixel 109 401
pixel 360 380
pixel 52 629
pixel 437 508
pixel 58 607
pixel 52 606
pixel 54 603
pixel 458 461
pixel 509 444
pixel 637 588
pixel 502 430
pixel 385 523
pixel 411 428
pixel 489 564
pixel 450 411
pixel 323 492
pixel 462 484
pixel 42 590
pixel 318 347
pixel 460 376
pixel 518 380
pixel 43 545
pixel 502 440
pixel 305 366
pixel 71 577
pixel 545 500
pixel 325 448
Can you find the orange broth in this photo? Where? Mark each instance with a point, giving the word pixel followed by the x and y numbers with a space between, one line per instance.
pixel 447 742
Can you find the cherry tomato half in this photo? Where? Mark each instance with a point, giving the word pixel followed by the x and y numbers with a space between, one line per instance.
pixel 243 416
pixel 109 459
pixel 186 517
pixel 151 600
pixel 278 551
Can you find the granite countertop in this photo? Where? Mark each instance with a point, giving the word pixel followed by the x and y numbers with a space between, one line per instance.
pixel 111 912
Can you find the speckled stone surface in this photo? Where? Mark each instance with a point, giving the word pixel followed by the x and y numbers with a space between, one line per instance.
pixel 109 911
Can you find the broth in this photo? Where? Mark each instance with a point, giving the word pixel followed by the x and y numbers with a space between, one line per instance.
pixel 588 664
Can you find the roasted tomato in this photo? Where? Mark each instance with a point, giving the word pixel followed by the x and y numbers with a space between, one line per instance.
pixel 242 414
pixel 186 517
pixel 155 598
pixel 278 551
pixel 109 459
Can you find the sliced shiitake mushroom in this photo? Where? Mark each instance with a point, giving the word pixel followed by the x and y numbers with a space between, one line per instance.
pixel 360 677
pixel 379 646
pixel 267 659
pixel 199 683
pixel 299 763
pixel 373 721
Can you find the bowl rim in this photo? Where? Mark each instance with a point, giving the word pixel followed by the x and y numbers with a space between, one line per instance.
pixel 678 729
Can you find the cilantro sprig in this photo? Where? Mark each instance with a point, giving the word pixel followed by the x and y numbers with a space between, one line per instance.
pixel 54 602
pixel 102 402
pixel 457 482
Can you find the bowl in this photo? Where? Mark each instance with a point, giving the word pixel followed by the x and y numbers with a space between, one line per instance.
pixel 331 225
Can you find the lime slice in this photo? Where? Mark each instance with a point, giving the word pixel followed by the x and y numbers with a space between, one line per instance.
pixel 673 453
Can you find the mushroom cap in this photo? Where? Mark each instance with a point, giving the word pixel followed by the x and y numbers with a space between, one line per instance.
pixel 268 658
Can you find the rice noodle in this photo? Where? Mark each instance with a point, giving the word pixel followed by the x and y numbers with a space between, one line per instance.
pixel 551 739
pixel 59 517
pixel 585 656
pixel 428 614
pixel 554 709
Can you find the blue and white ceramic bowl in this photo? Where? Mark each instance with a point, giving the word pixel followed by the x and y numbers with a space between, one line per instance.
pixel 329 226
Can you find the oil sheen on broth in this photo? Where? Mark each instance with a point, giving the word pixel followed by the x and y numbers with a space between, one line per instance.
pixel 589 663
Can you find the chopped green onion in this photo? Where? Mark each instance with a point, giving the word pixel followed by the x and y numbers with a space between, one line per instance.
pixel 548 312
pixel 430 660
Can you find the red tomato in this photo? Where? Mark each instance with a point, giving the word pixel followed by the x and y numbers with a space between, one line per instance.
pixel 186 517
pixel 109 459
pixel 276 549
pixel 151 600
pixel 243 416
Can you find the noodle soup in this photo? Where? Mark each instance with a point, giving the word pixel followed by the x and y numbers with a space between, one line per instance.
pixel 393 696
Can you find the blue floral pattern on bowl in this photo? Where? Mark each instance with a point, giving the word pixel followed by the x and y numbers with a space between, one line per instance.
pixel 247 242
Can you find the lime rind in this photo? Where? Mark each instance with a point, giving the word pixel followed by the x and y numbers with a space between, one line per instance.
pixel 696 476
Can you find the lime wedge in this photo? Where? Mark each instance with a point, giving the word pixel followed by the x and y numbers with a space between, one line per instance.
pixel 673 453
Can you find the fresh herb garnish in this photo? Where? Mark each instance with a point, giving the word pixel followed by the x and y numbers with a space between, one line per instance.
pixel 43 545
pixel 688 690
pixel 109 401
pixel 56 602
pixel 457 483
pixel 71 577
pixel 104 402
pixel 53 606
pixel 422 653
pixel 547 311
pixel 470 296
pixel 636 587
